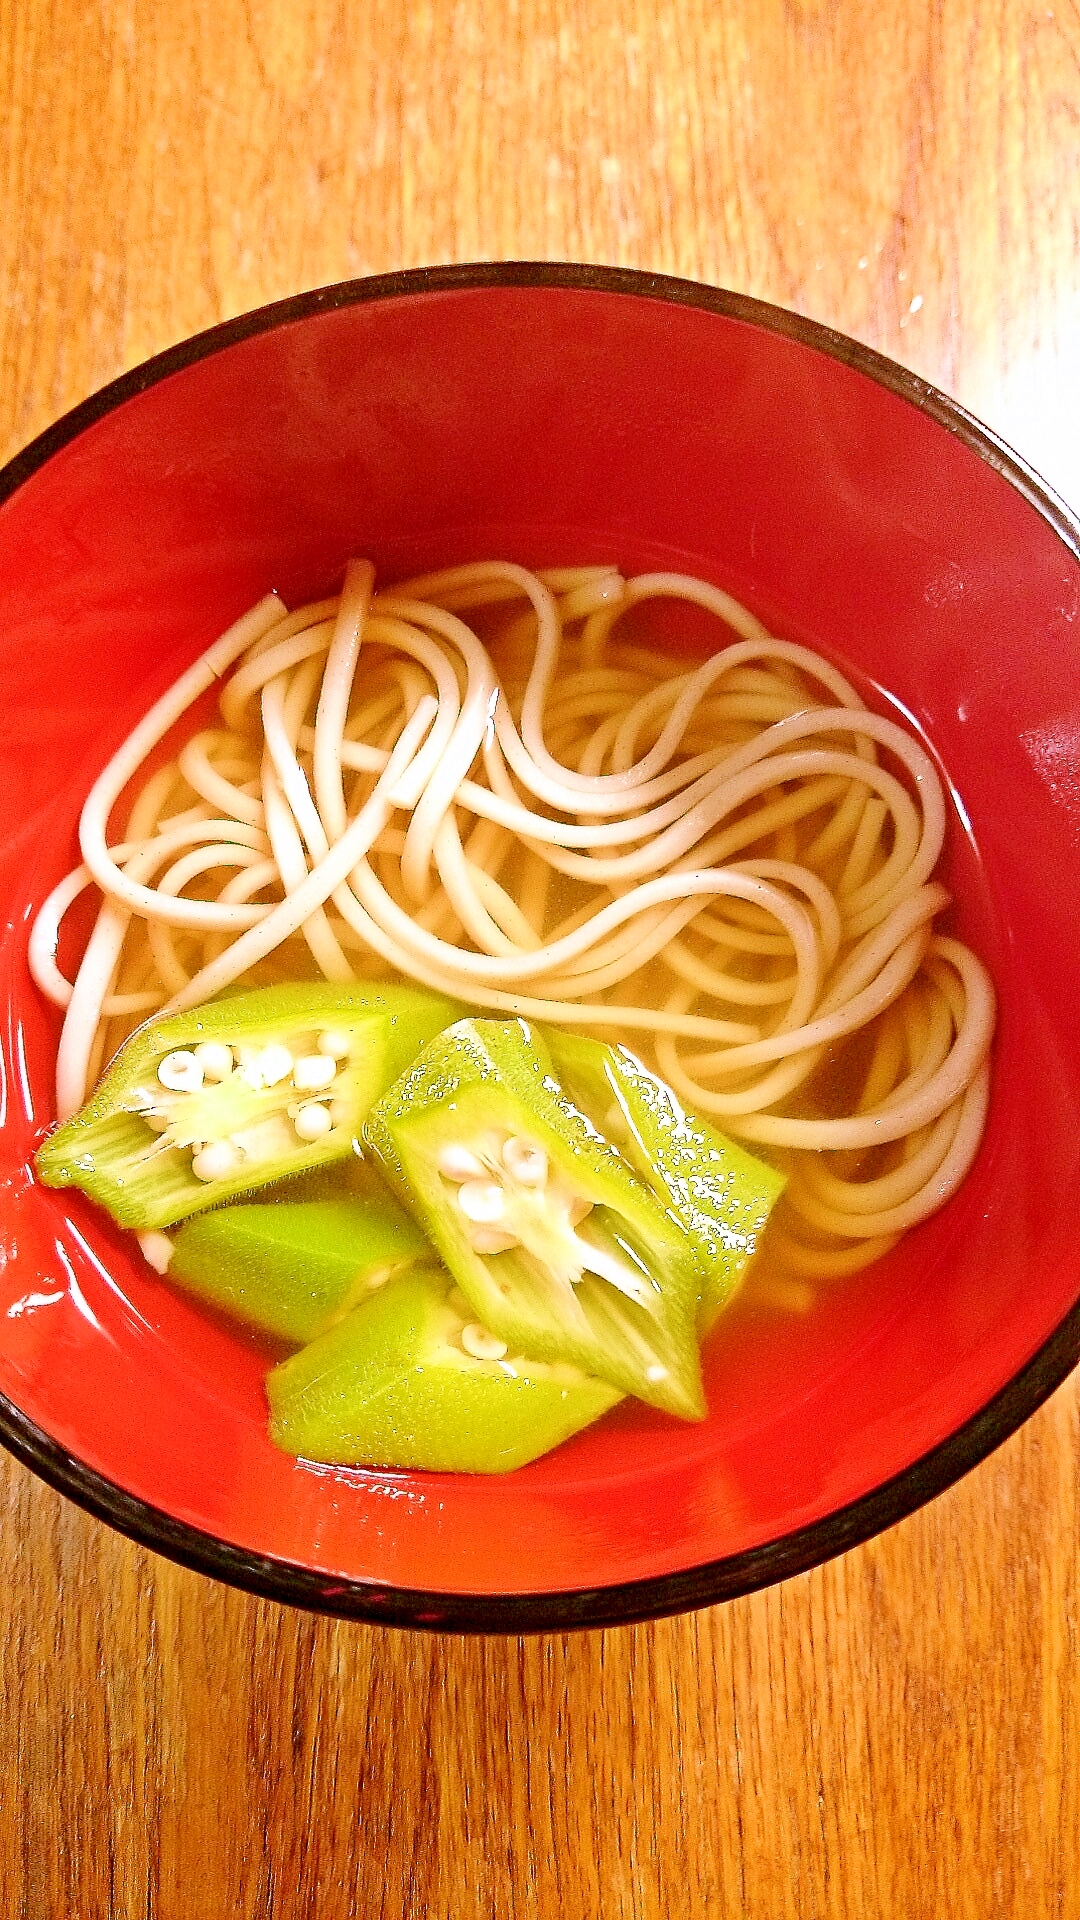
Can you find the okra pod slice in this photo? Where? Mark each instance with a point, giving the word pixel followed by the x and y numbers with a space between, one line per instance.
pixel 562 1250
pixel 294 1269
pixel 201 1106
pixel 410 1379
pixel 722 1194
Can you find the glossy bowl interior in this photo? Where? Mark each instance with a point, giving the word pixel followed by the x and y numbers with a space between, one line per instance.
pixel 556 415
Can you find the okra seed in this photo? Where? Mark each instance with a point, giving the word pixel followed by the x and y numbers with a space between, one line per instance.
pixel 312 1121
pixel 215 1059
pixel 180 1072
pixel 312 1071
pixel 157 1250
pixel 334 1044
pixel 216 1161
pixel 482 1201
pixel 274 1063
pixel 526 1161
pixel 157 1122
pixel 492 1240
pixel 456 1162
pixel 480 1343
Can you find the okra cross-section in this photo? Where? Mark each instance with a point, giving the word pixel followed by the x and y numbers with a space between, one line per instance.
pixel 722 1194
pixel 225 1099
pixel 562 1250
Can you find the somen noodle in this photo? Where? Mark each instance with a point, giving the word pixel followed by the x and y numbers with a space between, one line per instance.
pixel 728 866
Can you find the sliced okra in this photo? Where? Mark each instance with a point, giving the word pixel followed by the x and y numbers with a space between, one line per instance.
pixel 295 1268
pixel 201 1106
pixel 410 1379
pixel 561 1249
pixel 722 1194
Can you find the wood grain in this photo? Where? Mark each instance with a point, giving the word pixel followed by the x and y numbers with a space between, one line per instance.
pixel 896 1733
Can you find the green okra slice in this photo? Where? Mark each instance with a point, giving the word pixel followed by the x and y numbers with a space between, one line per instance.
pixel 722 1194
pixel 410 1379
pixel 561 1248
pixel 293 1268
pixel 201 1106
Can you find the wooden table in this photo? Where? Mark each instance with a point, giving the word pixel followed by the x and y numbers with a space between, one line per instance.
pixel 896 1733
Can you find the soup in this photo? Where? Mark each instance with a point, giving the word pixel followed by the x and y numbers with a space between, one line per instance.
pixel 478 783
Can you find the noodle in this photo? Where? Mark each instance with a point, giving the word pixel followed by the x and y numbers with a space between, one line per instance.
pixel 729 867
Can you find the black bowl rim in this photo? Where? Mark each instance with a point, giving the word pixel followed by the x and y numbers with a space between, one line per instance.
pixel 704 1585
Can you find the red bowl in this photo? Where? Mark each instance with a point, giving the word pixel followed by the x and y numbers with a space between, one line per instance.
pixel 557 414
